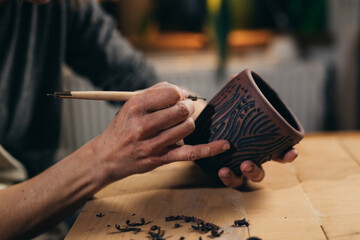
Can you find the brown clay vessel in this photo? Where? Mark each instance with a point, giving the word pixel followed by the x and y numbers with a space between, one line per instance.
pixel 250 115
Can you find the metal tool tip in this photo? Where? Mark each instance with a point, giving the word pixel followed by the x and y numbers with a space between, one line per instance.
pixel 202 98
pixel 194 98
pixel 50 95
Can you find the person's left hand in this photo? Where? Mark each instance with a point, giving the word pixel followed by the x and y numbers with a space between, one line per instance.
pixel 250 171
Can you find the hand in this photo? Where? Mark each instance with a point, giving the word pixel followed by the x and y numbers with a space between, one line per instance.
pixel 143 135
pixel 250 171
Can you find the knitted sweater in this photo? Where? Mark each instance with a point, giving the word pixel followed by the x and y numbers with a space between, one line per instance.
pixel 35 41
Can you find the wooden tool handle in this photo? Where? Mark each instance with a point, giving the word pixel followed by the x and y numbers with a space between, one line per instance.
pixel 103 95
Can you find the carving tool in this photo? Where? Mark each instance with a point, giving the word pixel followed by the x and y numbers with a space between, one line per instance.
pixel 104 95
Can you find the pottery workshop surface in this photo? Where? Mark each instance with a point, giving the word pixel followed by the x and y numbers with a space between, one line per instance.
pixel 315 197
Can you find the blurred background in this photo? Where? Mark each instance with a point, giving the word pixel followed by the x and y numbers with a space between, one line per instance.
pixel 307 50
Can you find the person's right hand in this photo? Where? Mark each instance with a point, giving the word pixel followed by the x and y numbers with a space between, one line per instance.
pixel 143 135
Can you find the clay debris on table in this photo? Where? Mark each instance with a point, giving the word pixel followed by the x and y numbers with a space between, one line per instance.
pixel 156 233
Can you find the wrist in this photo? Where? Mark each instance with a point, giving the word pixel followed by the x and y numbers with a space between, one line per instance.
pixel 96 161
pixel 85 165
pixel 103 163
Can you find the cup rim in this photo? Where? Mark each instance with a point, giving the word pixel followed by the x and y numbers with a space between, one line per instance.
pixel 301 130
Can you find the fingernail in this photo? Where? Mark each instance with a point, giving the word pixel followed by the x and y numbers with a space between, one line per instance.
pixel 249 169
pixel 226 146
pixel 296 153
pixel 290 157
pixel 226 176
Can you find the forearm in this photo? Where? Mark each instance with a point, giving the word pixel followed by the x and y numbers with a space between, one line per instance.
pixel 141 137
pixel 33 206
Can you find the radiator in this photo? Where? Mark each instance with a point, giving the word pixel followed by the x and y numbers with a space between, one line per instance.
pixel 300 85
pixel 82 120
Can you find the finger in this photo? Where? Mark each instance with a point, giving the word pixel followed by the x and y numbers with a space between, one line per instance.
pixel 161 84
pixel 289 156
pixel 160 96
pixel 252 171
pixel 191 153
pixel 168 117
pixel 171 136
pixel 229 178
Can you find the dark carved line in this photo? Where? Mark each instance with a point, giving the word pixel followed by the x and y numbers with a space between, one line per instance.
pixel 235 99
pixel 245 121
pixel 257 123
pixel 275 130
pixel 230 101
pixel 246 105
pixel 255 139
pixel 256 130
pixel 219 99
pixel 228 127
pixel 215 130
pixel 256 155
pixel 228 108
pixel 279 144
pixel 224 134
pixel 231 124
pixel 279 149
pixel 264 147
pixel 251 122
pixel 269 137
pixel 268 129
pixel 209 116
pixel 257 143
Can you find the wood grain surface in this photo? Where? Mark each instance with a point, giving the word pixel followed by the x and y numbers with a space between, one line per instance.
pixel 316 197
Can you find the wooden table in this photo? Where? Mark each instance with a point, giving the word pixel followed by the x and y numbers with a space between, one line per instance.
pixel 316 197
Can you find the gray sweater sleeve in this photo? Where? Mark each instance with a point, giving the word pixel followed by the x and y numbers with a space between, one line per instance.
pixel 95 49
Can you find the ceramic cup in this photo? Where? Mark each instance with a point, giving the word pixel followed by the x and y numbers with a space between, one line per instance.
pixel 250 115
